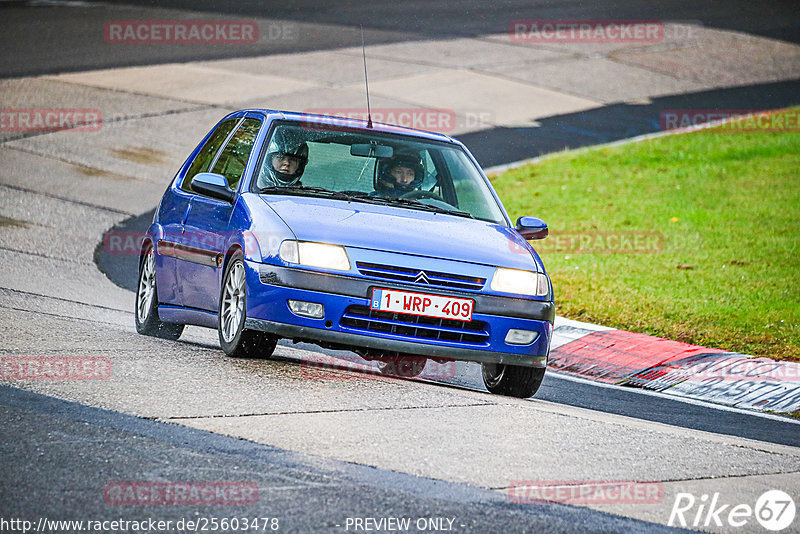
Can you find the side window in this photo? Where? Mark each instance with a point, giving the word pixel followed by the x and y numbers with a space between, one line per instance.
pixel 206 155
pixel 233 159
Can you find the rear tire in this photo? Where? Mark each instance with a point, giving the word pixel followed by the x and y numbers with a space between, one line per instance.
pixel 146 313
pixel 236 340
pixel 403 366
pixel 512 380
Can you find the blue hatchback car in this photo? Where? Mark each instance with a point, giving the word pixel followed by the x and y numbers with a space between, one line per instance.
pixel 383 240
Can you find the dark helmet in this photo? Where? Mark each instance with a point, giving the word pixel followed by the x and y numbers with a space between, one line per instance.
pixel 284 143
pixel 386 183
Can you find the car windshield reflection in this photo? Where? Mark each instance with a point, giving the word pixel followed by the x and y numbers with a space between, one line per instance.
pixel 374 167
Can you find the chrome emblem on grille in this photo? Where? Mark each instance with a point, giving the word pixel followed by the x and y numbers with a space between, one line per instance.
pixel 422 278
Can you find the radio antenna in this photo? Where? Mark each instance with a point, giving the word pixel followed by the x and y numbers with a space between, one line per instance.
pixel 366 80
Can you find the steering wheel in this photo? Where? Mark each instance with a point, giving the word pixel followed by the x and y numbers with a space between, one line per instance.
pixel 414 195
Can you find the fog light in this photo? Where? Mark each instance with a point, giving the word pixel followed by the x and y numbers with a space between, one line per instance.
pixel 307 309
pixel 521 337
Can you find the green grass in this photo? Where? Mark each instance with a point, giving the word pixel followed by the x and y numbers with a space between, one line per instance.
pixel 723 213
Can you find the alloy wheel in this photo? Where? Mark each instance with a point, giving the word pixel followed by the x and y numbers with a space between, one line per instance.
pixel 233 302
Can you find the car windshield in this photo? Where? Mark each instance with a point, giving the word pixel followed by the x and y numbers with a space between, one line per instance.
pixel 342 163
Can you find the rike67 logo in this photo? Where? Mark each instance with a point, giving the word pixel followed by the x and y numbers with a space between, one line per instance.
pixel 774 510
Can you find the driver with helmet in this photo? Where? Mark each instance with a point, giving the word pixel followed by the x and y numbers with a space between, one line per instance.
pixel 398 175
pixel 286 161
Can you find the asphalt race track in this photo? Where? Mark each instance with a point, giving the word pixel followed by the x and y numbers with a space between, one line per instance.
pixel 63 31
pixel 321 438
pixel 309 496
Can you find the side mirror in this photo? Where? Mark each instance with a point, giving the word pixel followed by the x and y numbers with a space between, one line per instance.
pixel 213 185
pixel 532 228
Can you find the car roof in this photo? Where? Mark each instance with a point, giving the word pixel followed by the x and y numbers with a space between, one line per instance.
pixel 344 122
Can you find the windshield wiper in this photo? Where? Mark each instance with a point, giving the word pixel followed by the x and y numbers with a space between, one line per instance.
pixel 359 196
pixel 416 204
pixel 317 191
pixel 293 189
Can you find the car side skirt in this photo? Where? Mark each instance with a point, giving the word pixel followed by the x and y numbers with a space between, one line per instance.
pixel 193 316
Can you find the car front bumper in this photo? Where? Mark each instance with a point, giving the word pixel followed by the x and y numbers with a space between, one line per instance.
pixel 348 322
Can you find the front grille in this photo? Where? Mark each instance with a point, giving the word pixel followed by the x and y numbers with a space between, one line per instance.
pixel 428 328
pixel 421 277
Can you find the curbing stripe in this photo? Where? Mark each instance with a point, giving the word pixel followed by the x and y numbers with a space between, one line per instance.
pixel 637 360
pixel 614 356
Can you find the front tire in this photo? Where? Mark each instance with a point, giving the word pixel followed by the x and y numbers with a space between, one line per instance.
pixel 146 313
pixel 512 380
pixel 236 340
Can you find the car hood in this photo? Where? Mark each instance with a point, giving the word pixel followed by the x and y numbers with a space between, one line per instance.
pixel 402 230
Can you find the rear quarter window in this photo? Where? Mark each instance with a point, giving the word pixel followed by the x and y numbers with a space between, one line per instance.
pixel 202 161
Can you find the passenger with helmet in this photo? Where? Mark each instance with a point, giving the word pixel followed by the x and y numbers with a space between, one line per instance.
pixel 286 160
pixel 398 175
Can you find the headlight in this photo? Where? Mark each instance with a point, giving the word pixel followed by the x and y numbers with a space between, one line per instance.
pixel 520 282
pixel 315 255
